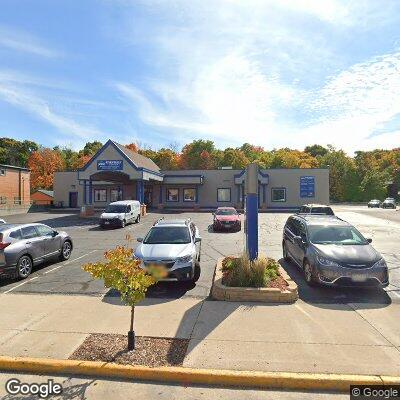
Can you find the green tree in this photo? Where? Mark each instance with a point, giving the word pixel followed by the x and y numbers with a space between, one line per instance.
pixel 15 152
pixel 122 272
pixel 92 148
pixel 316 150
pixel 374 184
pixel 344 182
pixel 199 154
pixel 234 158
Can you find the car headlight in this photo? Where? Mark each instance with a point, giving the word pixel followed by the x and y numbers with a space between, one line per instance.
pixel 380 264
pixel 326 262
pixel 184 259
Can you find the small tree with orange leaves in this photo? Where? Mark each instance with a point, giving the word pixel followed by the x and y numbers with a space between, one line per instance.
pixel 122 272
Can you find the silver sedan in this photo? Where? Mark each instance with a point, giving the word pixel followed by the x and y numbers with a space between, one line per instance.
pixel 23 246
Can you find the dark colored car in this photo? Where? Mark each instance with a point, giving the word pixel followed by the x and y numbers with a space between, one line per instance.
pixel 389 202
pixel 23 246
pixel 332 252
pixel 374 203
pixel 226 219
pixel 320 209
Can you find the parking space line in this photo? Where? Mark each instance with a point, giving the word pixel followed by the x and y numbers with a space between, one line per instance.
pixel 70 261
pixel 17 286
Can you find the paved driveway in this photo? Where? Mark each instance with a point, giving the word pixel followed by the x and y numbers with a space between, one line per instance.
pixel 327 330
pixel 90 242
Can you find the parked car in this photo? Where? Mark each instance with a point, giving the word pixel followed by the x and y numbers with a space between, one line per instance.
pixel 174 244
pixel 316 209
pixel 120 213
pixel 2 221
pixel 389 202
pixel 23 246
pixel 226 218
pixel 374 203
pixel 332 252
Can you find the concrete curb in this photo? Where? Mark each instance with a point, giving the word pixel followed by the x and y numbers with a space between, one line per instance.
pixel 265 295
pixel 276 380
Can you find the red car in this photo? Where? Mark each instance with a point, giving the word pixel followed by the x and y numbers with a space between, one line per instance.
pixel 226 218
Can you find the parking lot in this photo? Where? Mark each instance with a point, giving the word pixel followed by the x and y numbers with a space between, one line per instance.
pixel 90 242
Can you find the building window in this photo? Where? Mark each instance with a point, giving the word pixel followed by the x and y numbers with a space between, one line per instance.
pixel 2 171
pixel 278 194
pixel 223 195
pixel 3 200
pixel 173 195
pixel 189 194
pixel 115 194
pixel 100 195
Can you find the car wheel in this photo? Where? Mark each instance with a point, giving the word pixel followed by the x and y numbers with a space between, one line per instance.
pixel 285 252
pixel 66 250
pixel 308 273
pixel 137 219
pixel 123 223
pixel 196 274
pixel 24 267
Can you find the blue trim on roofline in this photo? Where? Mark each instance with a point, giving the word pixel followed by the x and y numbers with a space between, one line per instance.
pixel 130 162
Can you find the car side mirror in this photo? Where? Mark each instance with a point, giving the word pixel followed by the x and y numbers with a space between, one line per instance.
pixel 55 233
pixel 197 239
pixel 299 240
pixel 140 240
pixel 369 240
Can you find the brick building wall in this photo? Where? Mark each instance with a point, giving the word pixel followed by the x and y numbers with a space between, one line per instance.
pixel 14 186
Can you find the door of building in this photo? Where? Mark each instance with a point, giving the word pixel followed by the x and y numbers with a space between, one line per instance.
pixel 73 199
pixel 148 196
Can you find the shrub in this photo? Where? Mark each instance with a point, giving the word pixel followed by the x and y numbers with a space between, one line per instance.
pixel 240 271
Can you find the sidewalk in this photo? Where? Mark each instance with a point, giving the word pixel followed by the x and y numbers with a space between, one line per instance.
pixel 302 337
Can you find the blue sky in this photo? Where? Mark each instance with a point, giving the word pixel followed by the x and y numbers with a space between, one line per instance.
pixel 274 73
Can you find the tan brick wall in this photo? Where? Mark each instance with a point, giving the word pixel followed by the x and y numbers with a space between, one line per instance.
pixel 15 184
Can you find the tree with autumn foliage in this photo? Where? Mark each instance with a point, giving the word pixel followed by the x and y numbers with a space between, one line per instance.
pixel 43 164
pixel 122 272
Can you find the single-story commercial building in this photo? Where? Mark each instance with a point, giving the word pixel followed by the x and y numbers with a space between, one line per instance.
pixel 42 197
pixel 14 189
pixel 117 173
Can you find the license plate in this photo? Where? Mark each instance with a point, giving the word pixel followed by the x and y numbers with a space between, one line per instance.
pixel 359 278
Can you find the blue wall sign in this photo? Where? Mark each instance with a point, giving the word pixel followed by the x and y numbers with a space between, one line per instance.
pixel 307 186
pixel 109 165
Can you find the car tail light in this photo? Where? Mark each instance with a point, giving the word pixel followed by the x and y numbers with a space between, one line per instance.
pixel 3 245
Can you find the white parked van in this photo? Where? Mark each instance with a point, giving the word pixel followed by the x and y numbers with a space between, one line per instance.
pixel 120 213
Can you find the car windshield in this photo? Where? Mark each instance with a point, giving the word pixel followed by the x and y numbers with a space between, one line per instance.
pixel 226 212
pixel 322 210
pixel 168 235
pixel 116 208
pixel 341 235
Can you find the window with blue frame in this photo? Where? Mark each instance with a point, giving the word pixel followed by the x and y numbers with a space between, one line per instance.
pixel 100 195
pixel 172 195
pixel 189 194
pixel 223 195
pixel 278 194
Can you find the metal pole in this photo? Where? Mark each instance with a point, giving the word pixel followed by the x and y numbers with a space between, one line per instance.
pixel 252 211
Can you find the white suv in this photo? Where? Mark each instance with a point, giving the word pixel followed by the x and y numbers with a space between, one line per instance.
pixel 175 244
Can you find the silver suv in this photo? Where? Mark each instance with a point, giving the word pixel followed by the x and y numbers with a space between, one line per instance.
pixel 174 244
pixel 22 246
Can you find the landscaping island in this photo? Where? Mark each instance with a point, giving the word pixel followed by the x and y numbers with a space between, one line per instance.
pixel 263 280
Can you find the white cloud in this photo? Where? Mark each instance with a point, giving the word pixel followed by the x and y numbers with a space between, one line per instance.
pixel 23 42
pixel 359 101
pixel 23 97
pixel 266 71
